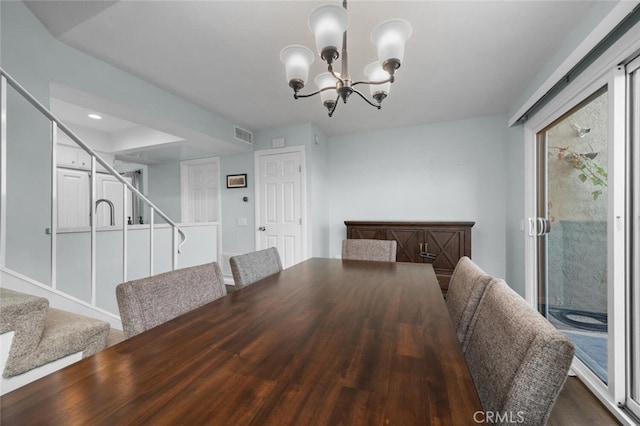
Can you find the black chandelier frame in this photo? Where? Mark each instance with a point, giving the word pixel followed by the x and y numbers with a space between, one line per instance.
pixel 345 85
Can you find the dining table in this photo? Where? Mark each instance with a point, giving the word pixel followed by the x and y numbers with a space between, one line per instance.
pixel 323 342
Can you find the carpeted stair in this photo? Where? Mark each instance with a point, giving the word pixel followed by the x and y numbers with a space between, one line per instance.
pixel 44 334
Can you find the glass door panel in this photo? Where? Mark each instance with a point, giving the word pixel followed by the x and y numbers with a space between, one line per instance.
pixel 572 228
pixel 634 78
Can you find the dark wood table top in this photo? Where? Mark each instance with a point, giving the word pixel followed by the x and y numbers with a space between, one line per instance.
pixel 324 342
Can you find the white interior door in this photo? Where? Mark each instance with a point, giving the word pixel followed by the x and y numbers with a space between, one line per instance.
pixel 200 189
pixel 280 203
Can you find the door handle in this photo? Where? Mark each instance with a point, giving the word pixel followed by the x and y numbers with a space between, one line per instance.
pixel 544 226
pixel 539 226
pixel 262 228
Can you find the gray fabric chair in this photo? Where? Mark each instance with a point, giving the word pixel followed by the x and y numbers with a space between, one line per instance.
pixel 466 287
pixel 362 249
pixel 151 301
pixel 518 360
pixel 251 267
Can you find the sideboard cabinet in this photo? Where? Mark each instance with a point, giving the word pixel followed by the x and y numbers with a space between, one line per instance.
pixel 440 243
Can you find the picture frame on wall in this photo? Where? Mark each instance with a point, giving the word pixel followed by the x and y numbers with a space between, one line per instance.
pixel 237 181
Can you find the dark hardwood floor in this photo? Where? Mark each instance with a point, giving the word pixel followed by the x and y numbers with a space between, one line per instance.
pixel 576 405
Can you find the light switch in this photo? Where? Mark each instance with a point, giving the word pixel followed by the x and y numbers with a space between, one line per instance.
pixel 242 221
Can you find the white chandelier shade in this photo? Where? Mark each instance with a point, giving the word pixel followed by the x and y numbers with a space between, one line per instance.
pixel 326 83
pixel 374 72
pixel 329 23
pixel 389 37
pixel 297 60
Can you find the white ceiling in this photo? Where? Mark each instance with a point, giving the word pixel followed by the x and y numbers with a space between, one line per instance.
pixel 464 59
pixel 78 115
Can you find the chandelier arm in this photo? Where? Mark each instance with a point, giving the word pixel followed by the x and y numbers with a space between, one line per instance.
pixel 391 79
pixel 335 105
pixel 333 73
pixel 367 100
pixel 308 95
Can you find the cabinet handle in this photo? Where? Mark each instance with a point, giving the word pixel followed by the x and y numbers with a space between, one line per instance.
pixel 424 252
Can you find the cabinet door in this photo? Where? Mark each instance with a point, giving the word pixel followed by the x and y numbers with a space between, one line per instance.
pixel 408 244
pixel 448 245
pixel 67 156
pixel 84 159
pixel 73 198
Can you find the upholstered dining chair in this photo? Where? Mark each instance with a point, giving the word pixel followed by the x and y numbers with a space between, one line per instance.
pixel 149 302
pixel 251 267
pixel 518 360
pixel 466 287
pixel 363 249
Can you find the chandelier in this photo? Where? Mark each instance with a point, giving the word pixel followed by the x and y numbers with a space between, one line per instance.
pixel 329 24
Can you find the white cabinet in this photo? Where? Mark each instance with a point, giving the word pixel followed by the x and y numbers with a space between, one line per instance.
pixel 74 199
pixel 77 158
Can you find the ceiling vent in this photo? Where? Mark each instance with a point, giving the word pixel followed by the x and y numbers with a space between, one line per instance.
pixel 243 135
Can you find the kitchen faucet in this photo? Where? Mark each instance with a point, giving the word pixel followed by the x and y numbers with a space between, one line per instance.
pixel 111 209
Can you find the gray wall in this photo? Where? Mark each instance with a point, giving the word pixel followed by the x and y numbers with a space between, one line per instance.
pixel 164 189
pixel 445 171
pixel 515 236
pixel 28 164
pixel 320 202
pixel 237 239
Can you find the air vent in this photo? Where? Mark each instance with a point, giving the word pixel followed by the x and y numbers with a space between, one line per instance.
pixel 244 135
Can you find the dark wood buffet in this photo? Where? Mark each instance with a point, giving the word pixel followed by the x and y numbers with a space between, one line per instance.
pixel 440 243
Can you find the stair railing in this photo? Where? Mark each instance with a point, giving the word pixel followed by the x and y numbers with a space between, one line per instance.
pixel 57 124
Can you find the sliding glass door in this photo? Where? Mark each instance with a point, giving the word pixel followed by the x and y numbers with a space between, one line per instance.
pixel 633 70
pixel 579 230
pixel 573 212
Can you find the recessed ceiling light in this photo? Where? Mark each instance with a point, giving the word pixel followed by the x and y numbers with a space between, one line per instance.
pixel 95 116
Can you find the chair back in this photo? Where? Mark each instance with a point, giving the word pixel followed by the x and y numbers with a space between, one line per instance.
pixel 466 287
pixel 363 249
pixel 518 360
pixel 151 301
pixel 251 267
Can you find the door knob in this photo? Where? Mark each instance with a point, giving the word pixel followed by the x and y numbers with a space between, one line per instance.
pixel 262 228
